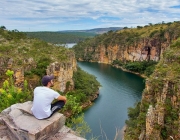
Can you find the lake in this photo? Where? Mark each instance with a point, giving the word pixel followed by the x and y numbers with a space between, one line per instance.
pixel 68 45
pixel 120 90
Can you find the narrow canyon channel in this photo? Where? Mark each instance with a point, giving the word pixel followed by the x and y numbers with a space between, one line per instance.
pixel 120 90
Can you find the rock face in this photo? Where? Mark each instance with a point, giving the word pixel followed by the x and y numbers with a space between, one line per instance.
pixel 147 49
pixel 147 43
pixel 63 73
pixel 162 118
pixel 159 110
pixel 29 59
pixel 18 123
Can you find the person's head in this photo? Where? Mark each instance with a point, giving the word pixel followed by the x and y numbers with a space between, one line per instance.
pixel 48 80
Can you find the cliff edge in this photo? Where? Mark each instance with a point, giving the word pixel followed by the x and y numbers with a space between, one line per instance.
pixel 18 123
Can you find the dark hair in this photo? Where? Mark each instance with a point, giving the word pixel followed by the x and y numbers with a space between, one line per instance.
pixel 47 79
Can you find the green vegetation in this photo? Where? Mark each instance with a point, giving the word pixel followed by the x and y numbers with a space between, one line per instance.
pixel 60 37
pixel 141 67
pixel 40 69
pixel 85 82
pixel 74 36
pixel 162 75
pixel 133 113
pixel 79 125
pixel 128 37
pixel 86 87
pixel 14 35
pixel 164 81
pixel 33 56
pixel 10 94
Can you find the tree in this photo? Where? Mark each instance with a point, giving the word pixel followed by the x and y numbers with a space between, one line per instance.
pixel 150 24
pixel 3 27
pixel 139 27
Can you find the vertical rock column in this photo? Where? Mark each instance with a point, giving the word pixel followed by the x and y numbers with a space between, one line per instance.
pixel 63 73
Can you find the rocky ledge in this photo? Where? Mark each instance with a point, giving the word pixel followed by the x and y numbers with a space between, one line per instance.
pixel 18 123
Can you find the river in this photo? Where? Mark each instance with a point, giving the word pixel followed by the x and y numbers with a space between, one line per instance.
pixel 68 45
pixel 119 91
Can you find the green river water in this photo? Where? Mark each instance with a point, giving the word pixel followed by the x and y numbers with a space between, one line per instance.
pixel 120 90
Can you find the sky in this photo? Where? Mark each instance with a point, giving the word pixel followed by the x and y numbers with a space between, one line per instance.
pixel 59 15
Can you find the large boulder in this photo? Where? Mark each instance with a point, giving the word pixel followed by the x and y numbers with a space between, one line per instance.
pixel 18 123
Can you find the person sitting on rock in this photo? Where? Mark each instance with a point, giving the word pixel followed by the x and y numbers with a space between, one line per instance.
pixel 43 96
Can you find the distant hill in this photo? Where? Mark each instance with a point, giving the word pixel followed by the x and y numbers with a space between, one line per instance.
pixel 60 37
pixel 69 36
pixel 95 30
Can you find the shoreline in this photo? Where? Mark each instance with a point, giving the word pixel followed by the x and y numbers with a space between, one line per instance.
pixel 119 67
pixel 122 131
pixel 116 66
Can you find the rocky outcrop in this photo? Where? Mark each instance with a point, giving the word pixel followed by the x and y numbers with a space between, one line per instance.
pixel 18 123
pixel 29 59
pixel 146 43
pixel 166 107
pixel 146 49
pixel 63 73
pixel 159 113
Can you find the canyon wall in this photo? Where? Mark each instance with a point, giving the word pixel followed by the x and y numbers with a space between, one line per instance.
pixel 159 113
pixel 134 44
pixel 146 49
pixel 63 72
pixel 30 59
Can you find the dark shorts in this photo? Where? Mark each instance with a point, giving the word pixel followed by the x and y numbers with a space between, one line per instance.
pixel 56 106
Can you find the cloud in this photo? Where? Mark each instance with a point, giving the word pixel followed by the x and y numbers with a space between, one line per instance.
pixel 75 14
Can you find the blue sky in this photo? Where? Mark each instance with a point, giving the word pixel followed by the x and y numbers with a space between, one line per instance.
pixel 58 15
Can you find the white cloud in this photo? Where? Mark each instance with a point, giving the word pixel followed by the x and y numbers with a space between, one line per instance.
pixel 61 15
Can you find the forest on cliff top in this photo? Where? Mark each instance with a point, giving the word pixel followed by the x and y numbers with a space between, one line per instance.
pixel 156 35
pixel 129 37
pixel 60 37
pixel 32 57
pixel 69 36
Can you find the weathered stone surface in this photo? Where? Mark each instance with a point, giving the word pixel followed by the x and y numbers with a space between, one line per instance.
pixel 65 133
pixel 18 123
pixel 63 73
pixel 24 125
pixel 19 76
pixel 144 49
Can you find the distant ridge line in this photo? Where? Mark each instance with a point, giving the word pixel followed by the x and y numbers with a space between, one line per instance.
pixel 95 30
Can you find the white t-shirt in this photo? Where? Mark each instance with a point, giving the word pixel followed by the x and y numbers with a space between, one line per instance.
pixel 43 96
